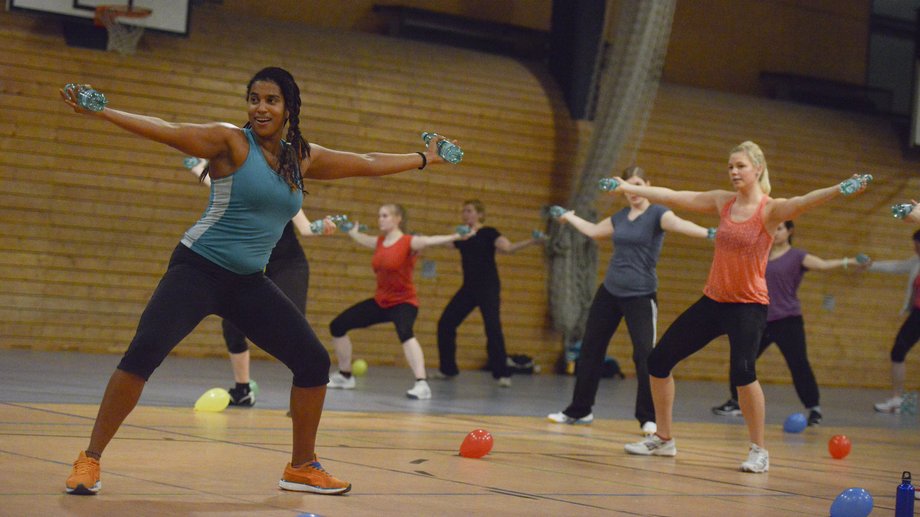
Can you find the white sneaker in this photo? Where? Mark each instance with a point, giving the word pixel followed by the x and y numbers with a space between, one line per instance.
pixel 562 418
pixel 421 391
pixel 649 428
pixel 652 446
pixel 892 405
pixel 504 382
pixel 758 460
pixel 339 381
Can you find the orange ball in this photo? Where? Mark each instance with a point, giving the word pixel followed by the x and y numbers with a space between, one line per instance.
pixel 476 444
pixel 839 446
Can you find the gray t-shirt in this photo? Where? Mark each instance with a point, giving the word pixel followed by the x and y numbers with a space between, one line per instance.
pixel 636 247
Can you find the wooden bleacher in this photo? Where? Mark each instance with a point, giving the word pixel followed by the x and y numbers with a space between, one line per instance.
pixel 89 214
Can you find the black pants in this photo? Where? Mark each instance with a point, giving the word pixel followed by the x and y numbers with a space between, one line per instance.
pixel 607 310
pixel 367 313
pixel 789 336
pixel 704 321
pixel 459 307
pixel 194 287
pixel 907 336
pixel 293 278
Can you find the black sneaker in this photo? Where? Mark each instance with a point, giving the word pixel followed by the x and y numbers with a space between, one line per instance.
pixel 242 397
pixel 730 408
pixel 814 417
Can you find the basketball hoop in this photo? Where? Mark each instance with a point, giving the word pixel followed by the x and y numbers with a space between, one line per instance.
pixel 123 37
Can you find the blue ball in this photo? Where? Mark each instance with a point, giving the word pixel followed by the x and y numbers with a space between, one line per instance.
pixel 795 423
pixel 852 502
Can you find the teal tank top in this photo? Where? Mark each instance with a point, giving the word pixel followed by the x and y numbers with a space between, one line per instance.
pixel 246 214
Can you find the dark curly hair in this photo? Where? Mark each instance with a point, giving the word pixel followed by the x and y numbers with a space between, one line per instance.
pixel 295 148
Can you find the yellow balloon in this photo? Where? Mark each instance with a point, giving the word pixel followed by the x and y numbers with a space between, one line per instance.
pixel 359 367
pixel 214 400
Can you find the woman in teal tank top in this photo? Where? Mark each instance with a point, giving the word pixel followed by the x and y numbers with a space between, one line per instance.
pixel 257 186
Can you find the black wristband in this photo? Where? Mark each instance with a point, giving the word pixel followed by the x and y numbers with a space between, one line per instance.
pixel 424 160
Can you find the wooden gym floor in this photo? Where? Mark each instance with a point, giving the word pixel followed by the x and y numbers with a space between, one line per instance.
pixel 401 455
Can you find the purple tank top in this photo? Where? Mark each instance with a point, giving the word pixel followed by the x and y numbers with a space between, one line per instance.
pixel 784 275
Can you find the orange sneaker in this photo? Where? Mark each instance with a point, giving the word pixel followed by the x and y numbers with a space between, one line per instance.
pixel 311 477
pixel 84 478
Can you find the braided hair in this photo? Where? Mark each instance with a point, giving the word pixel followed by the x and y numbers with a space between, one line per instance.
pixel 294 148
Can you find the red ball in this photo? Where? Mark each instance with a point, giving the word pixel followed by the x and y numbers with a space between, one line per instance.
pixel 476 444
pixel 839 446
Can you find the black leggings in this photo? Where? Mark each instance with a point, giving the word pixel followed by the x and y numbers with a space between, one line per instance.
pixel 367 313
pixel 704 321
pixel 907 336
pixel 293 278
pixel 641 313
pixel 459 307
pixel 789 336
pixel 194 287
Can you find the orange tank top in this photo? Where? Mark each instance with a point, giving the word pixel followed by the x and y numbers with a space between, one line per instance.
pixel 393 266
pixel 739 265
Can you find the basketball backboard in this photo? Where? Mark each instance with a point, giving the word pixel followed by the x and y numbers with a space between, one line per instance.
pixel 168 15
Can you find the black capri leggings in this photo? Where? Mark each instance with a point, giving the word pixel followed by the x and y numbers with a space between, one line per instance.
pixel 293 278
pixel 789 336
pixel 367 313
pixel 194 287
pixel 704 321
pixel 907 336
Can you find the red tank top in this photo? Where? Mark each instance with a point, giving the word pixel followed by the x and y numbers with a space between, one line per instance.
pixel 393 266
pixel 739 265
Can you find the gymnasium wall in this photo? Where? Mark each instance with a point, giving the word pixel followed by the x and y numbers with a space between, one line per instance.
pixel 89 214
pixel 715 44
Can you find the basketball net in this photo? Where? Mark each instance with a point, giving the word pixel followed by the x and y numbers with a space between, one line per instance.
pixel 123 38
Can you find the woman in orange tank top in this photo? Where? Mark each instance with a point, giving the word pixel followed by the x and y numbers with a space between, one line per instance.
pixel 734 301
pixel 395 254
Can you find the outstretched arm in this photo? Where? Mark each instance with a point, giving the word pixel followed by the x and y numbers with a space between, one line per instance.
pixel 705 202
pixel 504 245
pixel 599 230
pixel 819 264
pixel 670 222
pixel 779 210
pixel 893 266
pixel 209 141
pixel 420 242
pixel 324 163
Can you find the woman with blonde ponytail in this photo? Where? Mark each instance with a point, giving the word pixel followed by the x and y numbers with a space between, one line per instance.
pixel 735 298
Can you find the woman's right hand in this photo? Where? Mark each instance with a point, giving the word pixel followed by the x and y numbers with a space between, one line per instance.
pixel 70 97
pixel 563 219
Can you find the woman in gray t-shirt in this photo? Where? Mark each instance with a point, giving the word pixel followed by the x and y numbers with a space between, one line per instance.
pixel 628 291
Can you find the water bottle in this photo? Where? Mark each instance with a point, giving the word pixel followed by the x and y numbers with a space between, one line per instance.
pixel 447 150
pixel 904 499
pixel 190 162
pixel 462 230
pixel 900 210
pixel 318 225
pixel 348 225
pixel 556 211
pixel 851 185
pixel 862 258
pixel 88 98
pixel 608 184
pixel 711 233
pixel 538 235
